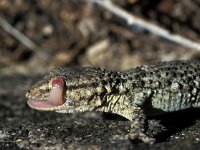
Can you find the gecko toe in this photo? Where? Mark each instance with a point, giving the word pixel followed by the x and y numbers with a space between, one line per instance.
pixel 141 136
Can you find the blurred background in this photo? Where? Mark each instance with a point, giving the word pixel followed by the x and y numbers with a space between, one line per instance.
pixel 80 33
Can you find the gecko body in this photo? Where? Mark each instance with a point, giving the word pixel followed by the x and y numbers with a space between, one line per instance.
pixel 134 94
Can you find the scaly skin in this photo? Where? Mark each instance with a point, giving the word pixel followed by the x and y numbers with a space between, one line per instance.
pixel 133 94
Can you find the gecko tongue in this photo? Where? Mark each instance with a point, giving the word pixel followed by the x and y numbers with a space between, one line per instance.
pixel 55 99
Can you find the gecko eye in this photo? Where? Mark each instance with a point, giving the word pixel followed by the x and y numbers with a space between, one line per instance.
pixel 57 82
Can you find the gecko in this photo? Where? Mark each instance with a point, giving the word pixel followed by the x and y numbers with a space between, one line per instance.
pixel 134 94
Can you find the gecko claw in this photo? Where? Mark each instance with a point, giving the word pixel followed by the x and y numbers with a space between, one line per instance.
pixel 141 136
pixel 135 138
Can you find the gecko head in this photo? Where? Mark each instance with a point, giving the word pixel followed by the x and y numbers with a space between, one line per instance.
pixel 47 95
pixel 65 90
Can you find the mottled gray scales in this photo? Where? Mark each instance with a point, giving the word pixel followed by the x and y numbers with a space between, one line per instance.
pixel 133 94
pixel 170 83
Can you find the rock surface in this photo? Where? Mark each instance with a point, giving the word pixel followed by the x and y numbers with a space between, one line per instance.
pixel 24 128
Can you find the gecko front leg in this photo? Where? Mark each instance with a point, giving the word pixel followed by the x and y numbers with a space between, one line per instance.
pixel 137 130
pixel 138 122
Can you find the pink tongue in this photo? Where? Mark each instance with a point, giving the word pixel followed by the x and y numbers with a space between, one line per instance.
pixel 55 97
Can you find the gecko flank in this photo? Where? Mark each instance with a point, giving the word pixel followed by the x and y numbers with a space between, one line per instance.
pixel 133 94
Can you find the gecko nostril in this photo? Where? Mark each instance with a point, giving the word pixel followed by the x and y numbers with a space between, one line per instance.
pixel 27 93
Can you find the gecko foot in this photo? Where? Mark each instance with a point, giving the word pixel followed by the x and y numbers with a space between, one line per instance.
pixel 135 137
pixel 141 136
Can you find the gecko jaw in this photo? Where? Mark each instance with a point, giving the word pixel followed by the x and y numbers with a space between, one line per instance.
pixel 55 99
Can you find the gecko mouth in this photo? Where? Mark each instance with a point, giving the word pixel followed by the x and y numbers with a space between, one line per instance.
pixel 55 99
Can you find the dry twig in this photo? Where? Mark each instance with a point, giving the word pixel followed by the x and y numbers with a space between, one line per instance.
pixel 135 21
pixel 23 39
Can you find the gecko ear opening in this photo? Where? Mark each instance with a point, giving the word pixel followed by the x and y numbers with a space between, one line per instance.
pixel 56 96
